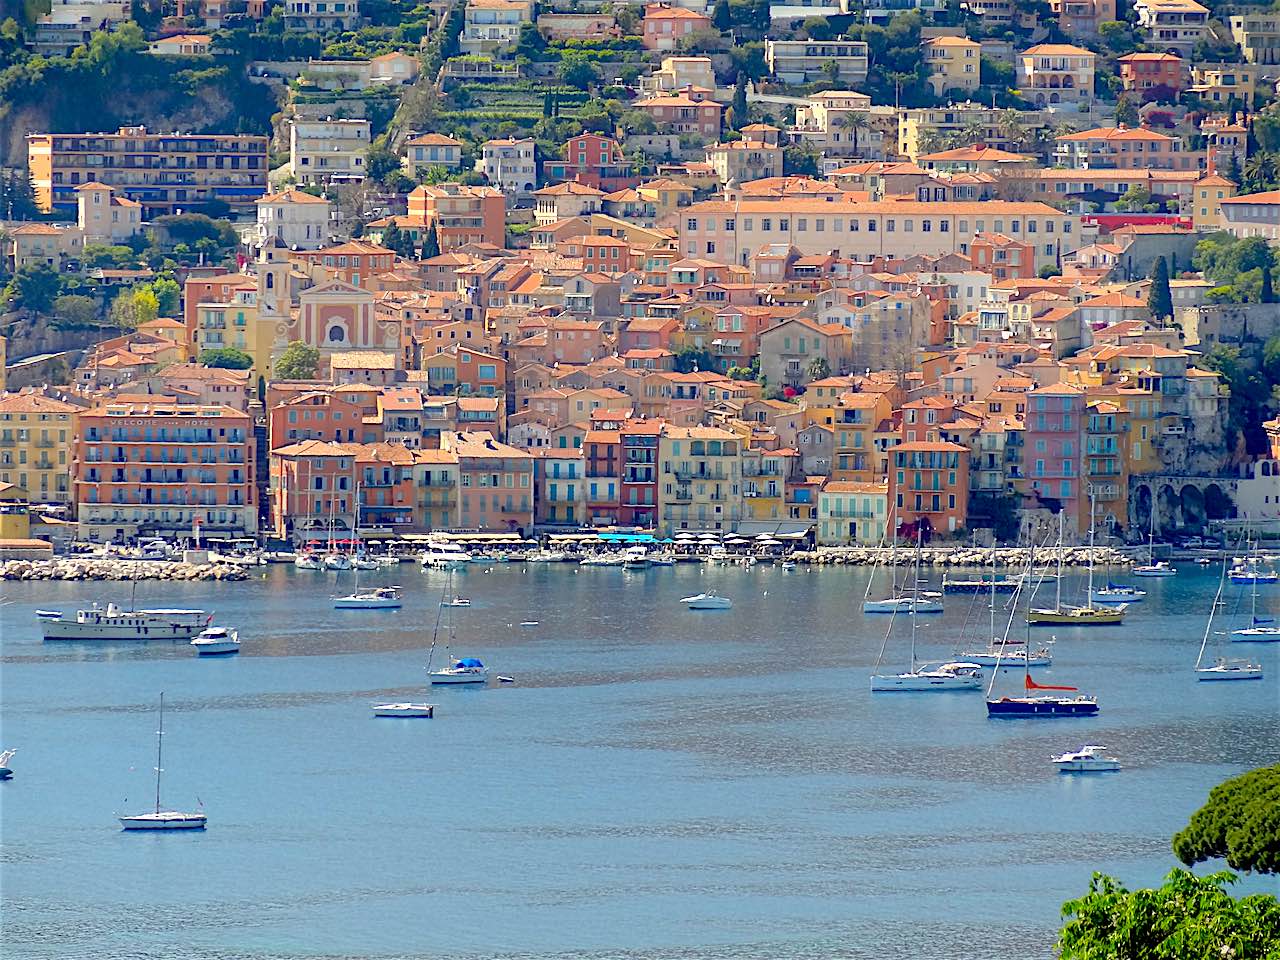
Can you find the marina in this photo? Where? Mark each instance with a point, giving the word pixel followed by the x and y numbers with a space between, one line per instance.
pixel 641 787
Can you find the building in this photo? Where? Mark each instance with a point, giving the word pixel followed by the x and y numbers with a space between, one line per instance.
pixel 1208 195
pixel 321 151
pixel 1053 450
pixel 182 45
pixel 919 127
pixel 72 23
pixel 1219 83
pixel 36 437
pixel 638 485
pixel 685 111
pixel 510 166
pixel 104 217
pixel 929 484
pixel 495 482
pixel 746 160
pixel 593 161
pixel 427 150
pixel 1002 257
pixel 677 72
pixel 1081 18
pixel 321 16
pixel 1175 26
pixel 699 480
pixel 159 468
pixel 578 26
pixel 1156 76
pixel 163 172
pixel 563 200
pixel 789 350
pixel 665 26
pixel 489 25
pixel 461 214
pixel 803 61
pixel 954 63
pixel 977 158
pixel 851 512
pixel 43 244
pixel 1258 35
pixel 296 219
pixel 1123 148
pixel 1056 75
pixel 1252 215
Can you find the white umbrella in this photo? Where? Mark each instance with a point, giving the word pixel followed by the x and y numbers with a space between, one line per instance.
pixel 769 542
pixel 737 540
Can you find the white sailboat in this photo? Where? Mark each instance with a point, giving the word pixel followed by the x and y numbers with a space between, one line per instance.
pixel 467 670
pixel 1223 668
pixel 377 598
pixel 897 602
pixel 5 771
pixel 1153 567
pixel 1260 629
pixel 160 819
pixel 996 654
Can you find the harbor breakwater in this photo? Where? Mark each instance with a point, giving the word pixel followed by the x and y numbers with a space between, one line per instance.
pixel 93 568
pixel 1007 557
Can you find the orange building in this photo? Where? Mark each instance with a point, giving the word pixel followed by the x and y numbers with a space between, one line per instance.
pixel 164 469
pixel 929 484
pixel 312 486
pixel 462 214
pixel 321 415
pixel 353 262
pixel 495 482
pixel 1160 72
pixel 1003 257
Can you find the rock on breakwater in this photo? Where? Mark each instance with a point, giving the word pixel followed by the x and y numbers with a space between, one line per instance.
pixel 964 556
pixel 92 568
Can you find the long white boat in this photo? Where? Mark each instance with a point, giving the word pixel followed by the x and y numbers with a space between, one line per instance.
pixel 1011 656
pixel 443 557
pixel 421 710
pixel 377 598
pixel 1088 759
pixel 707 601
pixel 308 561
pixel 947 676
pixel 216 641
pixel 113 623
pixel 926 603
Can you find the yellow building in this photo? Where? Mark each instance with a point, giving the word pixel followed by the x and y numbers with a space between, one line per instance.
pixel 764 475
pixel 36 435
pixel 954 64
pixel 1105 466
pixel 852 512
pixel 1208 193
pixel 666 196
pixel 15 519
pixel 1143 408
pixel 699 480
pixel 856 417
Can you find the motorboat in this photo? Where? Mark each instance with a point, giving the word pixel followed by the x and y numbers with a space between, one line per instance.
pixel 926 603
pixel 1157 569
pixel 465 670
pixel 788 564
pixel 947 676
pixel 635 558
pixel 661 560
pixel 443 557
pixel 1253 573
pixel 456 602
pixel 5 771
pixel 160 819
pixel 214 641
pixel 707 601
pixel 423 710
pixel 309 561
pixel 1230 668
pixel 366 563
pixel 547 556
pixel 1116 593
pixel 377 598
pixel 1088 759
pixel 1077 616
pixel 337 561
pixel 993 656
pixel 114 623
pixel 996 584
pixel 602 560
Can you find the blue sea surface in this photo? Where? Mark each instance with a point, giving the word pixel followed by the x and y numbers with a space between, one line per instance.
pixel 658 783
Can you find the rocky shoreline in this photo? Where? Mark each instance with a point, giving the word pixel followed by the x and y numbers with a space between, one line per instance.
pixel 93 568
pixel 1007 557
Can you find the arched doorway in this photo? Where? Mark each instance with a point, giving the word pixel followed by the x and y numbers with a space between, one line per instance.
pixel 1192 503
pixel 1168 510
pixel 1217 505
pixel 1142 508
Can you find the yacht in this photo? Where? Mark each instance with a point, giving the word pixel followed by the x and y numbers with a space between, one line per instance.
pixel 113 623
pixel 424 710
pixel 378 598
pixel 216 640
pixel 1253 573
pixel 1088 759
pixel 1116 593
pixel 442 556
pixel 1077 616
pixel 308 561
pixel 466 670
pixel 927 602
pixel 160 819
pixel 948 676
pixel 366 563
pixel 337 561
pixel 707 601
pixel 456 602
pixel 1016 657
pixel 635 558
pixel 1230 668
pixel 996 584
pixel 5 757
pixel 1156 569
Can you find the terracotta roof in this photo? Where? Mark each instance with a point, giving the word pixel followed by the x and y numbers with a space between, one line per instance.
pixel 34 403
pixel 290 195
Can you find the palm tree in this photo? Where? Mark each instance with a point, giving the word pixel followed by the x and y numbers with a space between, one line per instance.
pixel 1260 171
pixel 857 121
pixel 1010 127
pixel 973 132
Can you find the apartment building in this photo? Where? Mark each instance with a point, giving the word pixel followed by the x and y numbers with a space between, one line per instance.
pixel 489 25
pixel 677 72
pixel 638 486
pixel 1175 26
pixel 461 214
pixel 71 23
pixel 803 61
pixel 296 219
pixel 745 160
pixel 1148 74
pixel 929 485
pixel 916 127
pixel 163 172
pixel 495 482
pixel 318 16
pixel 1209 193
pixel 427 150
pixel 699 479
pixel 594 160
pixel 665 26
pixel 1218 83
pixel 1081 18
pixel 324 151
pixel 1252 215
pixel 688 110
pixel 954 63
pixel 850 512
pixel 1123 148
pixel 1258 35
pixel 36 437
pixel 164 469
pixel 1054 447
pixel 1057 75
pixel 882 11
pixel 509 164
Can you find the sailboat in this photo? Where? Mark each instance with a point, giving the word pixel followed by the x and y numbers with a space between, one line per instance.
pixel 947 676
pixel 995 653
pixel 1224 668
pixel 1153 567
pixel 466 670
pixel 1033 703
pixel 1260 629
pixel 1068 616
pixel 928 602
pixel 1250 569
pixel 379 598
pixel 163 819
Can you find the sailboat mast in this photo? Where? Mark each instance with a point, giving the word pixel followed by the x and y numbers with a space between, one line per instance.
pixel 1089 598
pixel 1217 599
pixel 915 600
pixel 1057 603
pixel 159 751
pixel 439 613
pixel 993 589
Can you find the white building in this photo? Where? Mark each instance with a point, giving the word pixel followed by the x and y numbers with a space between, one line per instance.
pixel 326 150
pixel 321 15
pixel 490 24
pixel 298 220
pixel 510 166
pixel 802 61
pixel 104 217
pixel 70 23
pixel 1252 215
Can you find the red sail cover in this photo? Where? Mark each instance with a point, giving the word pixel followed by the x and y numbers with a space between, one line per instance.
pixel 1032 685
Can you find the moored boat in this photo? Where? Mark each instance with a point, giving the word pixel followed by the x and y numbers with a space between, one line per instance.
pixel 113 623
pixel 214 641
pixel 421 710
pixel 464 670
pixel 947 676
pixel 1116 593
pixel 378 598
pixel 159 819
pixel 707 601
pixel 5 770
pixel 1088 759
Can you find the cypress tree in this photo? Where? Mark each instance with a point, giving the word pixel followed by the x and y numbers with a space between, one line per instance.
pixel 431 245
pixel 1160 300
pixel 1268 295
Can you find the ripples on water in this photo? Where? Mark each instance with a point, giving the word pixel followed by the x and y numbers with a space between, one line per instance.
pixel 657 784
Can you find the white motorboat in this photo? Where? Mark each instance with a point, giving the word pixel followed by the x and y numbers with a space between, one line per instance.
pixel 465 670
pixel 1230 668
pixel 378 598
pixel 946 676
pixel 635 558
pixel 443 557
pixel 5 771
pixel 366 563
pixel 337 561
pixel 160 819
pixel 926 603
pixel 547 556
pixel 1116 593
pixel 113 623
pixel 309 561
pixel 788 564
pixel 1157 569
pixel 456 602
pixel 235 559
pixel 661 560
pixel 280 556
pixel 424 710
pixel 1088 759
pixel 214 641
pixel 707 601
pixel 1015 656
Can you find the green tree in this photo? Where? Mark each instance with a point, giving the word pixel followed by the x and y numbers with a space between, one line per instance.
pixel 298 362
pixel 1126 111
pixel 34 288
pixel 168 295
pixel 531 43
pixel 577 72
pixel 1188 918
pixel 722 16
pixel 739 102
pixel 689 359
pixel 1239 823
pixel 380 161
pixel 74 310
pixel 1160 300
pixel 818 369
pixel 1117 36
pixel 391 236
pixel 431 243
pixel 226 358
pixel 1268 295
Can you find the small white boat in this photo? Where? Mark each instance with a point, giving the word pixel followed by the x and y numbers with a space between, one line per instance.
pixel 707 601
pixel 635 558
pixel 5 771
pixel 661 560
pixel 1253 574
pixel 547 556
pixel 234 559
pixel 1117 593
pixel 366 563
pixel 337 561
pixel 1227 668
pixel 788 564
pixel 456 602
pixel 466 670
pixel 214 641
pixel 160 819
pixel 379 598
pixel 308 561
pixel 1157 569
pixel 926 603
pixel 1258 633
pixel 1088 759
pixel 1015 657
pixel 443 557
pixel 424 710
pixel 947 676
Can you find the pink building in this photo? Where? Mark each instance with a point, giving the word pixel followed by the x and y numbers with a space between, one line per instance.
pixel 1052 453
